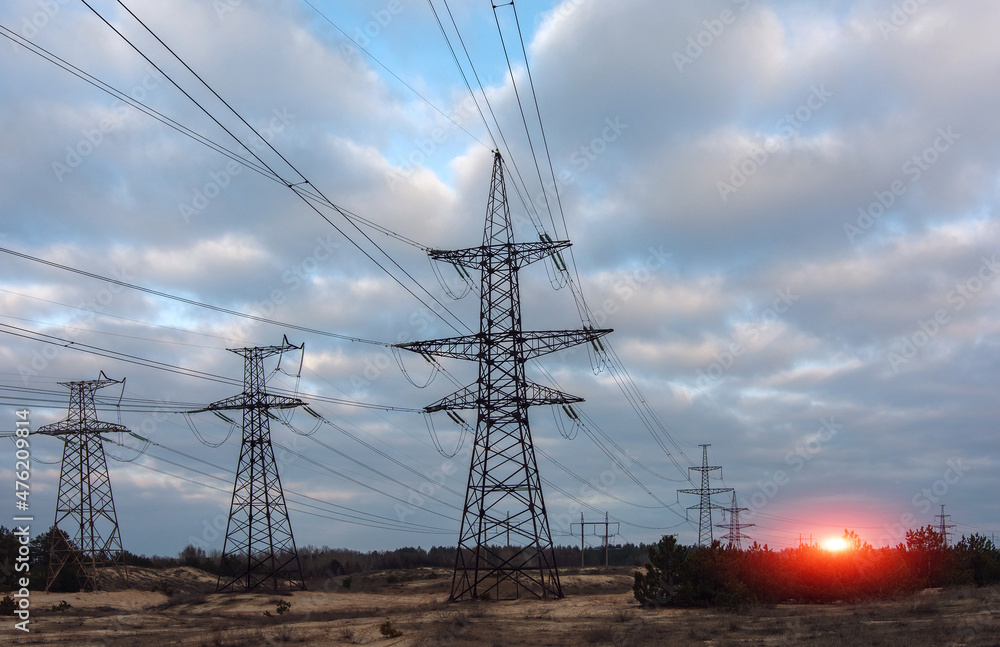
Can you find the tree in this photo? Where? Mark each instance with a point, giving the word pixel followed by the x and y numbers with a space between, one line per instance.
pixel 927 553
pixel 978 560
pixel 659 584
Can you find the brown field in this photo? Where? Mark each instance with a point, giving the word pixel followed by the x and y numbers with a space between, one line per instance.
pixel 598 610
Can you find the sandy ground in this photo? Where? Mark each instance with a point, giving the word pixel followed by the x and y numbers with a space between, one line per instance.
pixel 598 610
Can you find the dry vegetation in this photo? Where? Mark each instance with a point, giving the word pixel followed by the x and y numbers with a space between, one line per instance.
pixel 175 607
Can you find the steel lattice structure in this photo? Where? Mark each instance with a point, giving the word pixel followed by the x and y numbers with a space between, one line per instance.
pixel 259 549
pixel 733 528
pixel 503 475
pixel 705 493
pixel 86 527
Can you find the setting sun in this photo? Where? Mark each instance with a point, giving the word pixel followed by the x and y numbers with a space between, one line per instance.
pixel 834 544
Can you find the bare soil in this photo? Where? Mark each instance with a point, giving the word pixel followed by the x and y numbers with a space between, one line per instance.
pixel 176 607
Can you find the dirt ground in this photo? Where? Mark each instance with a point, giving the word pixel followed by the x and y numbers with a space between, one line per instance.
pixel 598 610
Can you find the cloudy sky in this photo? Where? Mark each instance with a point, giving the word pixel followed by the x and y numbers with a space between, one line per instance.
pixel 786 211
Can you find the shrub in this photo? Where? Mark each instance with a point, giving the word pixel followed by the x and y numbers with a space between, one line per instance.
pixel 388 630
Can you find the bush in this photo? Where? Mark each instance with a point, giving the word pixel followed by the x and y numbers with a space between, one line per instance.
pixel 658 585
pixel 388 630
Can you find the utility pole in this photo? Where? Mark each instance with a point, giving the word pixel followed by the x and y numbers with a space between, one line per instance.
pixel 259 549
pixel 606 525
pixel 943 526
pixel 85 531
pixel 734 527
pixel 705 493
pixel 503 469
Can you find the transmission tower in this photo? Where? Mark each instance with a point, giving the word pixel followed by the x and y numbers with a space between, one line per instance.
pixel 503 475
pixel 85 531
pixel 705 505
pixel 734 527
pixel 259 550
pixel 943 526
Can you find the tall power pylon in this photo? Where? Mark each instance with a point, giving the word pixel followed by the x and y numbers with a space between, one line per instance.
pixel 705 505
pixel 86 526
pixel 734 528
pixel 259 549
pixel 943 526
pixel 503 475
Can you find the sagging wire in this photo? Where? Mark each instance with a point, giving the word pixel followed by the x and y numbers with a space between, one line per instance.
pixel 598 354
pixel 298 378
pixel 118 407
pixel 295 430
pixel 315 414
pixel 555 266
pixel 34 457
pixel 435 368
pixel 197 434
pixel 574 417
pixel 139 452
pixel 466 430
pixel 463 276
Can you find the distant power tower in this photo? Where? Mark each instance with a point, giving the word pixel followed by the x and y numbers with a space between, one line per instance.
pixel 503 475
pixel 943 526
pixel 734 527
pixel 86 531
pixel 705 505
pixel 259 549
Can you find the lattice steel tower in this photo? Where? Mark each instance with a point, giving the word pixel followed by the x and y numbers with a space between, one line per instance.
pixel 705 505
pixel 503 476
pixel 734 527
pixel 259 549
pixel 943 526
pixel 86 526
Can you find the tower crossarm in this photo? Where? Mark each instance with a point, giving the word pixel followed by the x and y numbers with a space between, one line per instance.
pixel 520 254
pixel 263 352
pixel 464 347
pixel 711 490
pixel 69 427
pixel 468 397
pixel 257 401
pixel 533 343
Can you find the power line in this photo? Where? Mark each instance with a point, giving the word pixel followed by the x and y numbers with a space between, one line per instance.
pixel 192 302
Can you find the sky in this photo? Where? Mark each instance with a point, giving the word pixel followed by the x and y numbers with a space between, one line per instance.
pixel 785 210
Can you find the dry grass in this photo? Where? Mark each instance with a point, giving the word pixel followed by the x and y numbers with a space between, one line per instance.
pixel 606 615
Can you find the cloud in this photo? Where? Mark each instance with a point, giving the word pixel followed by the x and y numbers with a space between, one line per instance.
pixel 771 203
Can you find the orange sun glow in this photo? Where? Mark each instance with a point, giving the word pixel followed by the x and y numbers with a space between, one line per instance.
pixel 834 544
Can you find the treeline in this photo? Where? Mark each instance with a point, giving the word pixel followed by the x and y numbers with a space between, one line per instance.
pixel 676 575
pixel 333 562
pixel 317 563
